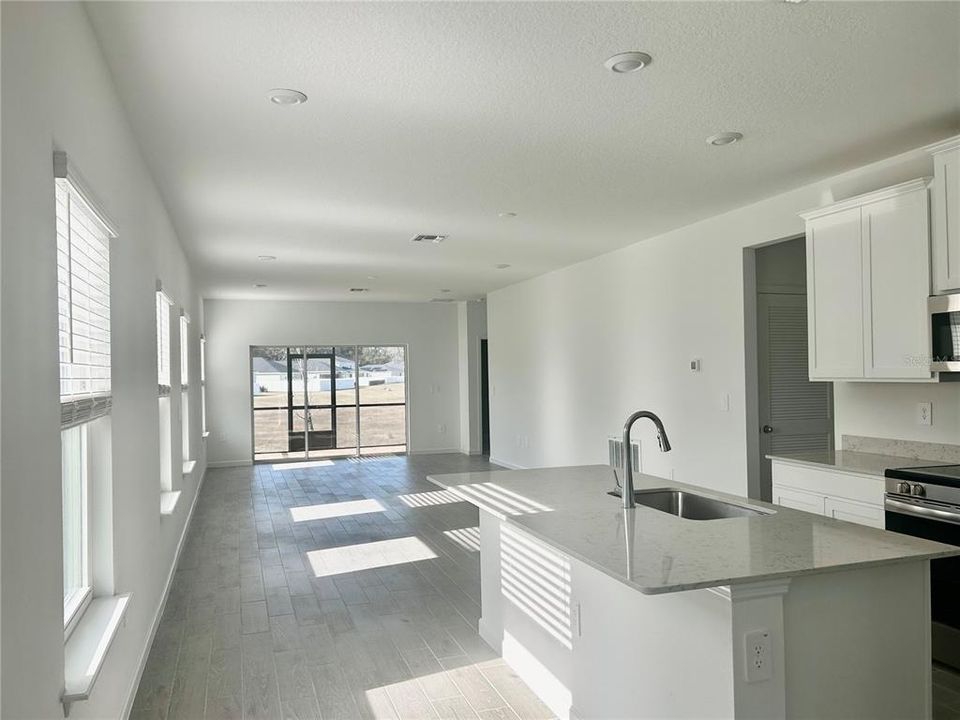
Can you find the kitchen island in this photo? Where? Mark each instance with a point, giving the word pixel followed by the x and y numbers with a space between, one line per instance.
pixel 613 613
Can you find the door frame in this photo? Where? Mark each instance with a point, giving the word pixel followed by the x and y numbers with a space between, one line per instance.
pixel 751 363
pixel 407 395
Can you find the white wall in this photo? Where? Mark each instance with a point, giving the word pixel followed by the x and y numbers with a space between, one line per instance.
pixel 574 351
pixel 472 327
pixel 57 93
pixel 429 330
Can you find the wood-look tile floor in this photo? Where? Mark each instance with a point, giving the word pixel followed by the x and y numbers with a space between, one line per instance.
pixel 343 589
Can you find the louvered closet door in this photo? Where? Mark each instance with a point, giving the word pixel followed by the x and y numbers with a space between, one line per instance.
pixel 797 413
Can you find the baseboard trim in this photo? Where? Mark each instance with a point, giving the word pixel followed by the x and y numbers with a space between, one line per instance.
pixel 230 463
pixel 438 451
pixel 504 463
pixel 145 654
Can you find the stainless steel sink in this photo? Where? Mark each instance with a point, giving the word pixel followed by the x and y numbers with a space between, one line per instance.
pixel 691 506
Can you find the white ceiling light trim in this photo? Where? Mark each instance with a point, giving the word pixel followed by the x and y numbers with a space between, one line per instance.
pixel 724 138
pixel 627 62
pixel 286 96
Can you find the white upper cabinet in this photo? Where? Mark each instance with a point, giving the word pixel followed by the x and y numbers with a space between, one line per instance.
pixel 945 191
pixel 868 278
pixel 835 281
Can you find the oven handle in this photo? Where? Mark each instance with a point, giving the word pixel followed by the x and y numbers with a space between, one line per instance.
pixel 921 511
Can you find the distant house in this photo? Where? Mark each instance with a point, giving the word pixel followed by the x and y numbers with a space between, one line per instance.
pixel 270 375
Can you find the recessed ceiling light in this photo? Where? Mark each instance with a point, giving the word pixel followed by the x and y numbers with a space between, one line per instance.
pixel 259 285
pixel 724 138
pixel 507 214
pixel 359 290
pixel 502 266
pixel 435 239
pixel 794 2
pixel 286 96
pixel 628 62
pixel 371 277
pixel 266 258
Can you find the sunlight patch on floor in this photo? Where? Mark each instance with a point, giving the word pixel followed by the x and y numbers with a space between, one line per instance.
pixel 301 465
pixel 366 556
pixel 468 538
pixel 426 499
pixel 325 511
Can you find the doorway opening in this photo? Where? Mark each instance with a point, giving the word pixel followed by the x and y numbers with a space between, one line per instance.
pixel 786 412
pixel 484 400
pixel 310 402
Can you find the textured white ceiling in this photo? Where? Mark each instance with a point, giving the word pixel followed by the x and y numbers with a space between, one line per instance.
pixel 435 117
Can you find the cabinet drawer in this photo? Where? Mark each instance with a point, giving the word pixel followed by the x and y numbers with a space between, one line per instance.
pixel 855 512
pixel 798 500
pixel 833 483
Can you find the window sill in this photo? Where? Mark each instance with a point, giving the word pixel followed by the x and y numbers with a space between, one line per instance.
pixel 188 466
pixel 87 647
pixel 168 502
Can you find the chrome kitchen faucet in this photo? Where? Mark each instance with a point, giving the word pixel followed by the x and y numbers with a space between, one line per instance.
pixel 627 490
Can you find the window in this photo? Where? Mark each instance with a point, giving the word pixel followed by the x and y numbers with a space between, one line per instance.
pixel 83 293
pixel 163 383
pixel 83 320
pixel 163 342
pixel 184 391
pixel 203 385
pixel 76 533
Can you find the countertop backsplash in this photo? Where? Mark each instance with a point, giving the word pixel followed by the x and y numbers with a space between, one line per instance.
pixel 941 452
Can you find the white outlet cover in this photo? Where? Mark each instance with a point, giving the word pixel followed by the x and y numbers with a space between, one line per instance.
pixel 925 413
pixel 758 657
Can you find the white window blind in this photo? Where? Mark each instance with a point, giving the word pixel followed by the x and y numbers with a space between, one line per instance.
pixel 184 349
pixel 83 294
pixel 163 342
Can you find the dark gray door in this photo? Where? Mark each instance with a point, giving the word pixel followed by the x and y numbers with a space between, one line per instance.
pixel 796 415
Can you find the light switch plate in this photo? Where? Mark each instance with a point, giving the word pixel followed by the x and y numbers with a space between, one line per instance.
pixel 924 413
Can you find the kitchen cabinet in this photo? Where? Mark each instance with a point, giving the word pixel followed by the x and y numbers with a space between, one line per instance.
pixel 855 512
pixel 851 497
pixel 945 209
pixel 799 499
pixel 868 278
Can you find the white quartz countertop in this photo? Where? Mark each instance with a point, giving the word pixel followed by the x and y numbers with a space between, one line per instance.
pixel 854 462
pixel 568 508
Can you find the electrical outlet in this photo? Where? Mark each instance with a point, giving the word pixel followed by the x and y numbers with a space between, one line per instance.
pixel 924 413
pixel 725 402
pixel 441 429
pixel 759 660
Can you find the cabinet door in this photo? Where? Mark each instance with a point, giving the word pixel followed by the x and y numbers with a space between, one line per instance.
pixel 835 295
pixel 896 251
pixel 946 221
pixel 798 500
pixel 861 513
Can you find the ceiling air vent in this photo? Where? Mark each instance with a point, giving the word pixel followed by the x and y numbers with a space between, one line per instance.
pixel 444 300
pixel 359 290
pixel 435 239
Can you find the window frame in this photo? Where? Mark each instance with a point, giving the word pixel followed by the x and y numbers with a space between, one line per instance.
pixel 77 602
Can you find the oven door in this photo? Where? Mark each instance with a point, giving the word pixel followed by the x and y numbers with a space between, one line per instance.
pixel 944 333
pixel 941 523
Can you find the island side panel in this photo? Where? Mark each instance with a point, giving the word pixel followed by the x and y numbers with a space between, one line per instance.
pixel 592 647
pixel 490 625
pixel 857 643
pixel 650 656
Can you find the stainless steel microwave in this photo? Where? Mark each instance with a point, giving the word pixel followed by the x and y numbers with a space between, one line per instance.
pixel 944 333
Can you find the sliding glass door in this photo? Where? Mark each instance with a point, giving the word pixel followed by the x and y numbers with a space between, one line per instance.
pixel 328 401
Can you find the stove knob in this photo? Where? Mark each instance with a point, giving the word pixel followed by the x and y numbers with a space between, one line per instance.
pixel 903 488
pixel 917 489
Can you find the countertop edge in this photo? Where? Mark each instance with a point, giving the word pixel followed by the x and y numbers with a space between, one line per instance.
pixel 517 522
